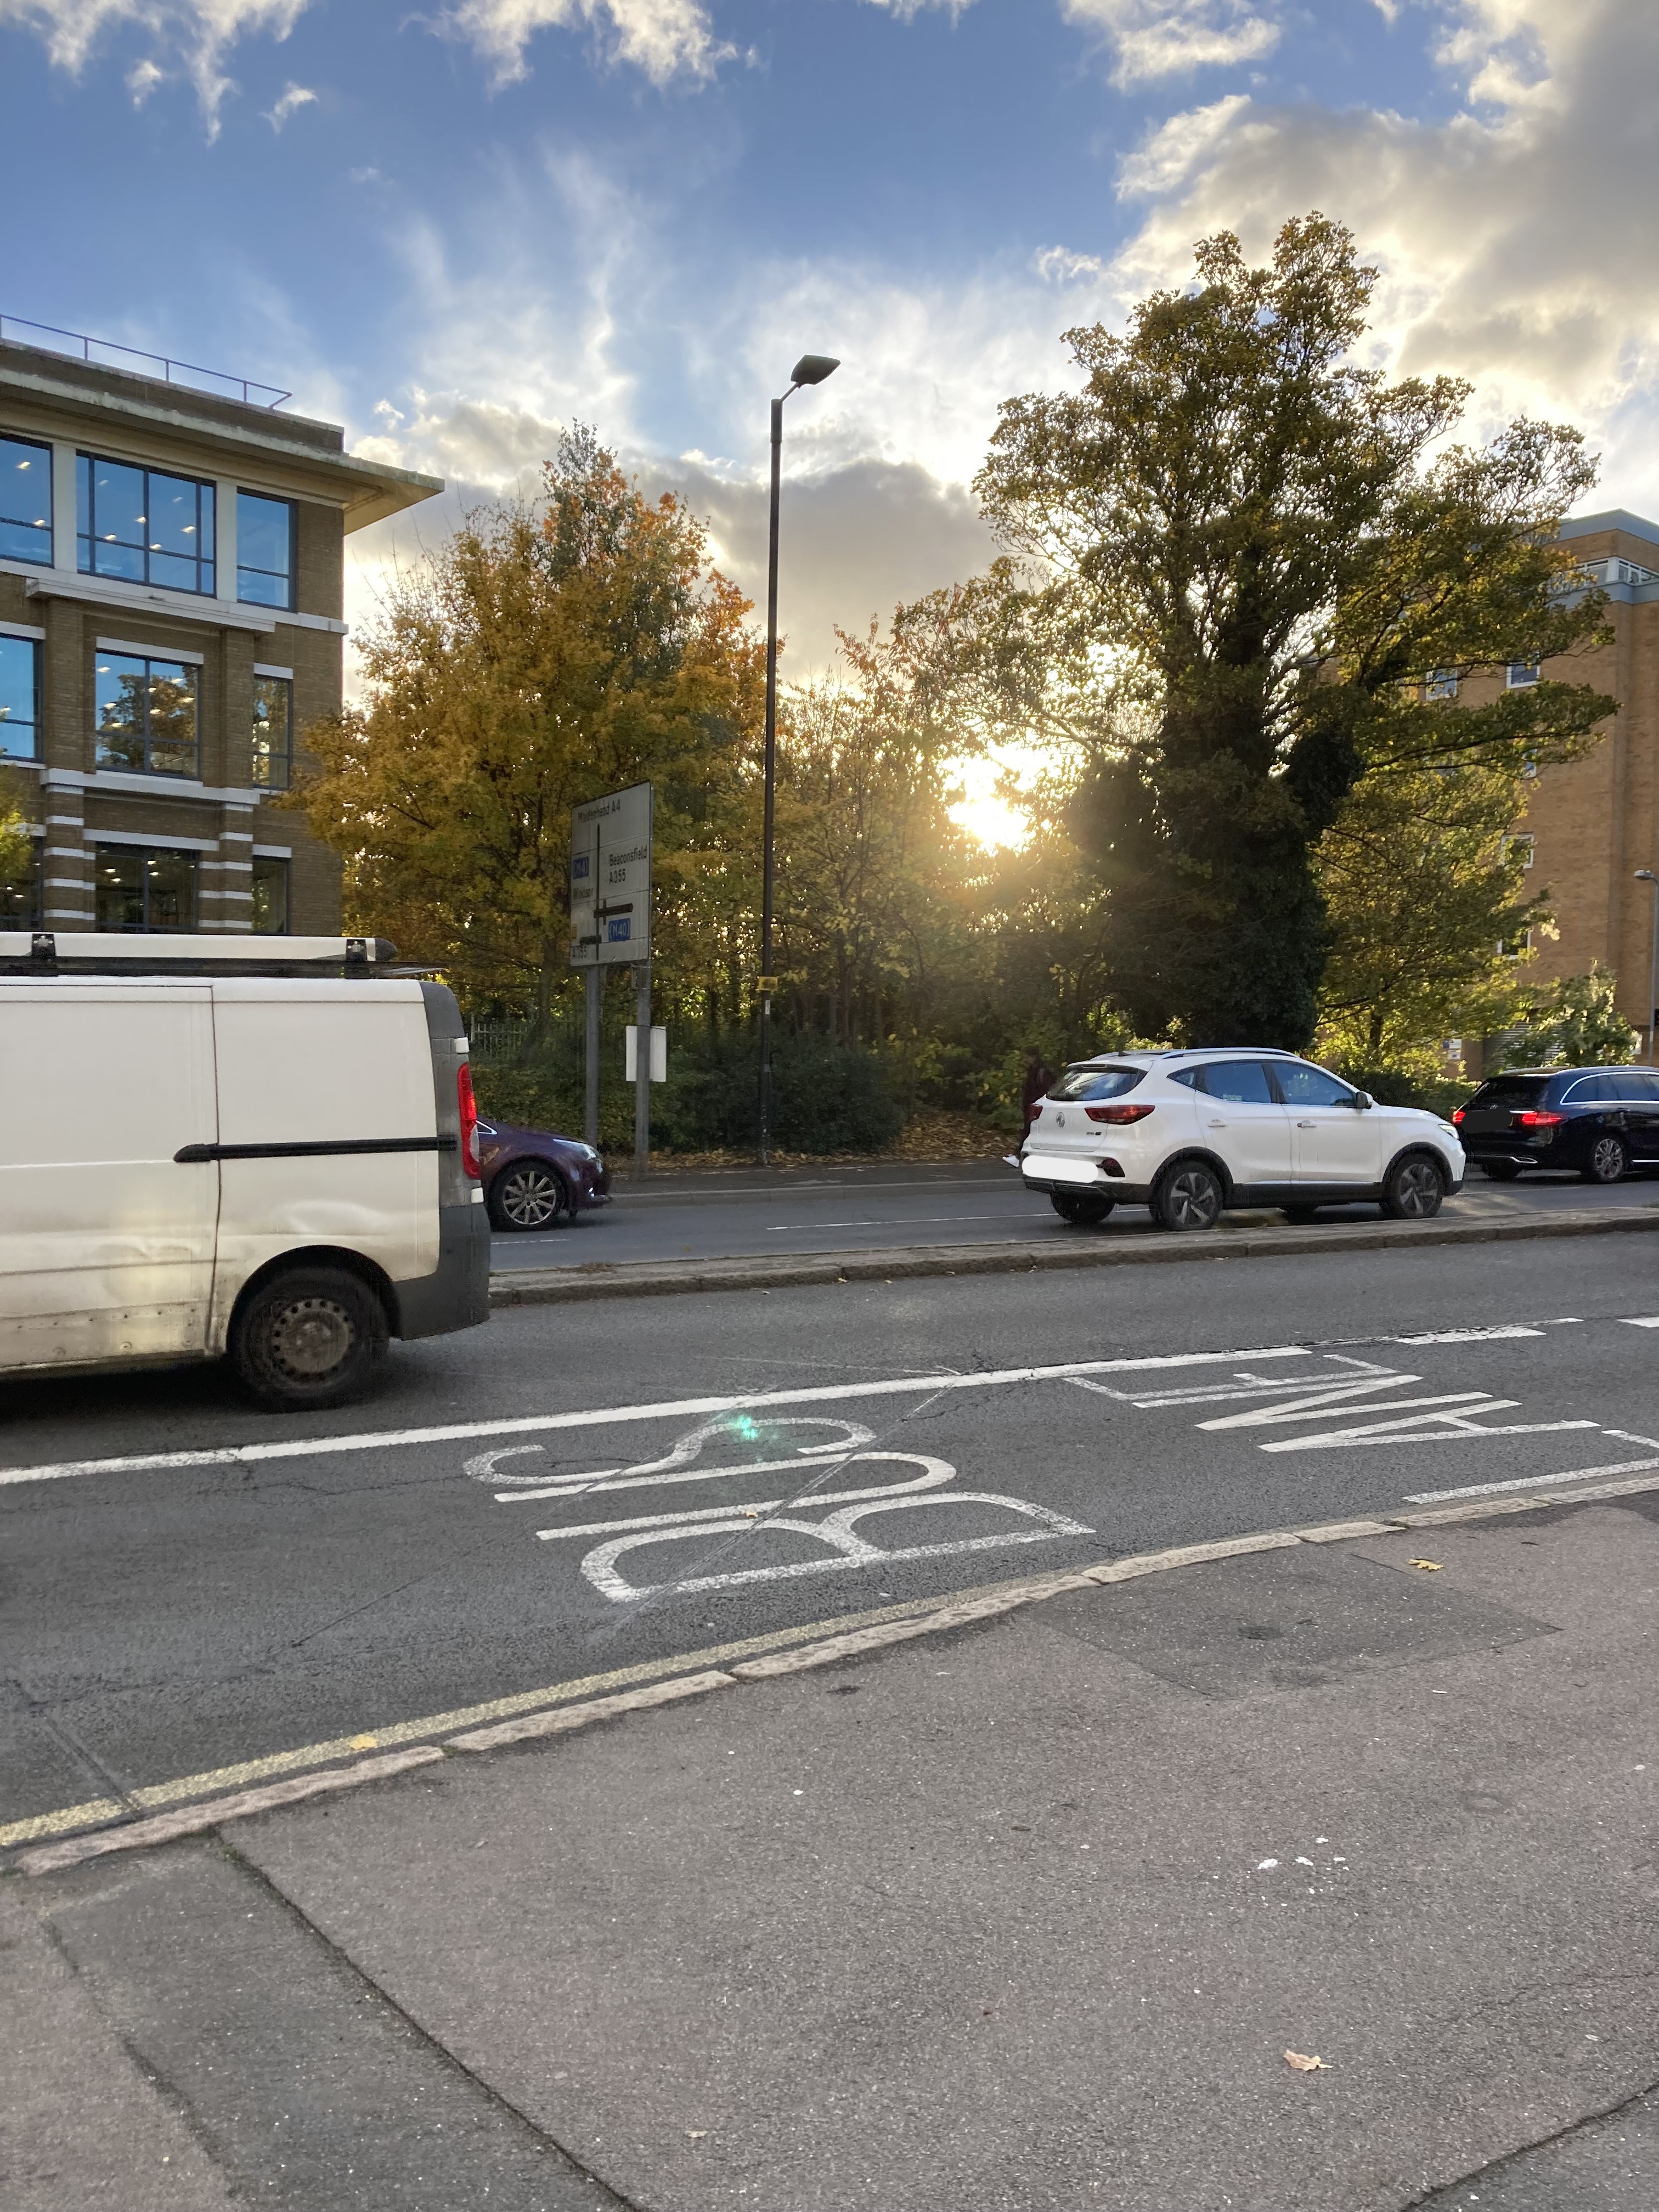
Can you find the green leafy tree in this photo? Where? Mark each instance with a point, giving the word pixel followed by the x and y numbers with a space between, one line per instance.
pixel 1576 1024
pixel 1236 555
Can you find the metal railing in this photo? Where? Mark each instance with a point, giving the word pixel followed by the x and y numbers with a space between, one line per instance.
pixel 172 372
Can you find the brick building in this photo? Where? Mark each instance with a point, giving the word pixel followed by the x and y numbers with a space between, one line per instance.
pixel 172 573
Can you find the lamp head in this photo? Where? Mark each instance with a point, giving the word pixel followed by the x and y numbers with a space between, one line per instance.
pixel 1646 876
pixel 812 369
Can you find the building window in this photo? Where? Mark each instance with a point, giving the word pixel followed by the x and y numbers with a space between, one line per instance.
pixel 1522 675
pixel 19 698
pixel 143 526
pixel 21 888
pixel 25 501
pixel 1513 948
pixel 270 896
pixel 1519 849
pixel 272 752
pixel 146 712
pixel 264 549
pixel 1442 683
pixel 139 888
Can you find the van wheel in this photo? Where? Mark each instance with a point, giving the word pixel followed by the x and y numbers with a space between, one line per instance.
pixel 1414 1189
pixel 1189 1196
pixel 309 1336
pixel 1081 1208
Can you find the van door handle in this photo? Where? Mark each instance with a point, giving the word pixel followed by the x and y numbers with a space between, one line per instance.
pixel 1217 1125
pixel 1307 1125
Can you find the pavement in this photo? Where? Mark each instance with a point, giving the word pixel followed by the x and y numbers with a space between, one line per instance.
pixel 1024 1912
pixel 682 1215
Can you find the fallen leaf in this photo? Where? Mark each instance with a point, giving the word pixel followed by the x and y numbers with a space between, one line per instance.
pixel 697 2133
pixel 1429 1566
pixel 1305 2065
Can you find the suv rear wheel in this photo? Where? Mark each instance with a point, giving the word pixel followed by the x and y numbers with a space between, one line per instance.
pixel 307 1336
pixel 1414 1189
pixel 1080 1207
pixel 1188 1196
pixel 1499 1171
pixel 1608 1161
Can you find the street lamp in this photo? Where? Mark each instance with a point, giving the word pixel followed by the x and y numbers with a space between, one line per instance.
pixel 1647 876
pixel 810 368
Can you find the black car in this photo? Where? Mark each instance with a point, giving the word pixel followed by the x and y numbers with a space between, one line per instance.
pixel 1599 1121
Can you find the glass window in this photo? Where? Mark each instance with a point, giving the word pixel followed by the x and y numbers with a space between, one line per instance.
pixel 1522 675
pixel 271 761
pixel 1309 1086
pixel 137 888
pixel 142 524
pixel 1243 1081
pixel 1519 849
pixel 21 886
pixel 1442 683
pixel 270 896
pixel 146 713
pixel 19 698
pixel 264 549
pixel 1593 1091
pixel 25 501
pixel 1096 1082
pixel 1514 1091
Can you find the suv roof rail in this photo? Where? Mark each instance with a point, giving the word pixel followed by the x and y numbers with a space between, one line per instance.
pixel 1257 1051
pixel 123 952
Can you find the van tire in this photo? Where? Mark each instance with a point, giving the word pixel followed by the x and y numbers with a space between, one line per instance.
pixel 307 1336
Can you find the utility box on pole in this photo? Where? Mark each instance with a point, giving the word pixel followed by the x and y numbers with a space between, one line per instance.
pixel 658 1055
pixel 610 928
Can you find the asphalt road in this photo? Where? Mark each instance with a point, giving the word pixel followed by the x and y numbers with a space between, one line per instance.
pixel 742 1213
pixel 568 1493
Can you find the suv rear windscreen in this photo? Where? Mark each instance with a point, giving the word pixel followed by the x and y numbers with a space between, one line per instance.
pixel 1096 1083
pixel 1510 1093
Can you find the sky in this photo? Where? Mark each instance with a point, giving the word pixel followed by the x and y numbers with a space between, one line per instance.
pixel 454 228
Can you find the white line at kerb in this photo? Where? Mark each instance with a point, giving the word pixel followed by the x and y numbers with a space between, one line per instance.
pixel 595 1417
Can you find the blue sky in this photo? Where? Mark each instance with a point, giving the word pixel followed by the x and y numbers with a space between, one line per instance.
pixel 453 229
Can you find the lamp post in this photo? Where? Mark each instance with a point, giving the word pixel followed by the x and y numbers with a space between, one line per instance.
pixel 810 368
pixel 1647 876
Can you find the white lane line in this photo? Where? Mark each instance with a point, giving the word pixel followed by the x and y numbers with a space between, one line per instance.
pixel 890 1220
pixel 1641 1321
pixel 598 1417
pixel 1465 1336
pixel 1531 1482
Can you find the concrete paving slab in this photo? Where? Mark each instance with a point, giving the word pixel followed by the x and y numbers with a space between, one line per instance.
pixel 1006 1919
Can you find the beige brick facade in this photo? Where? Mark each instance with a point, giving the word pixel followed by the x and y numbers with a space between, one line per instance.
pixel 213 826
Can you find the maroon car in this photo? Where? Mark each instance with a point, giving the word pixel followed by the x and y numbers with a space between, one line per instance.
pixel 533 1180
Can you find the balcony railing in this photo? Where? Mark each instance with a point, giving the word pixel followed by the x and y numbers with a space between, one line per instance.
pixel 75 342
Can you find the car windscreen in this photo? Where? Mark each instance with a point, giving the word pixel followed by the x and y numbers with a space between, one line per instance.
pixel 1514 1092
pixel 1096 1083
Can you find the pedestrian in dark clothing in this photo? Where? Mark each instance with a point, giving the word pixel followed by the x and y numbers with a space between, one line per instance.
pixel 1038 1077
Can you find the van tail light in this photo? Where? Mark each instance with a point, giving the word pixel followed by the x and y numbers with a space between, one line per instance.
pixel 469 1106
pixel 1530 1120
pixel 1117 1114
pixel 1457 1117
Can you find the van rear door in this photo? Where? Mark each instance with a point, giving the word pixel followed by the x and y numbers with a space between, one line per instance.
pixel 105 1239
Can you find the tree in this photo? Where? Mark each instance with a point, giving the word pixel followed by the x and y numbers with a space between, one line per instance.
pixel 1578 1024
pixel 543 657
pixel 1235 560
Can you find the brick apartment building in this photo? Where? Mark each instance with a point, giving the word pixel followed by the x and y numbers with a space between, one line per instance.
pixel 172 573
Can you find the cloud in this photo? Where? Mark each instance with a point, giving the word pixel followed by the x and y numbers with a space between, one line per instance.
pixel 666 38
pixel 1514 234
pixel 294 97
pixel 198 33
pixel 1167 37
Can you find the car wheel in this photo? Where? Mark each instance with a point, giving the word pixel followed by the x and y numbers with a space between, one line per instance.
pixel 1300 1215
pixel 1608 1161
pixel 307 1336
pixel 1080 1207
pixel 1414 1189
pixel 1499 1171
pixel 1188 1196
pixel 528 1194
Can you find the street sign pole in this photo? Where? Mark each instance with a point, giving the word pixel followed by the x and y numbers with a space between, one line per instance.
pixel 595 983
pixel 642 1070
pixel 610 928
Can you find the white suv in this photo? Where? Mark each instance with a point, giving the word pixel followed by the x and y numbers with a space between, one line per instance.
pixel 1189 1133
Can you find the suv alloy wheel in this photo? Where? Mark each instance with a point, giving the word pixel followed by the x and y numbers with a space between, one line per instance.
pixel 1189 1196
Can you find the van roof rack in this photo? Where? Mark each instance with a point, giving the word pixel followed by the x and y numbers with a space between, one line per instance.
pixel 134 952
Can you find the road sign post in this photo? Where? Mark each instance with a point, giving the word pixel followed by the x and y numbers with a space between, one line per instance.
pixel 610 928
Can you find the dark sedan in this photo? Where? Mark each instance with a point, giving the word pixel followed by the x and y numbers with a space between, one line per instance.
pixel 1598 1121
pixel 533 1180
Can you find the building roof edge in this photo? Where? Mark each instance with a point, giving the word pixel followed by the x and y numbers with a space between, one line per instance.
pixel 1615 517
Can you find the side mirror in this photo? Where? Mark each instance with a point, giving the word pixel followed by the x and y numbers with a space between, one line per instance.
pixel 1363 1101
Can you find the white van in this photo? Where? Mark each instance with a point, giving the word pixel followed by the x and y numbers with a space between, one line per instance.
pixel 211 1146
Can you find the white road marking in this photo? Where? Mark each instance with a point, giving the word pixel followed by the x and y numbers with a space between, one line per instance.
pixel 1468 1335
pixel 1641 1321
pixel 650 1474
pixel 934 1473
pixel 1531 1482
pixel 896 1221
pixel 599 1417
pixel 1321 1403
pixel 1448 1429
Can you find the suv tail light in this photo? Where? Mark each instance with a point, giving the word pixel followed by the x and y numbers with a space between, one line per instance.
pixel 469 1107
pixel 1530 1119
pixel 1117 1114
